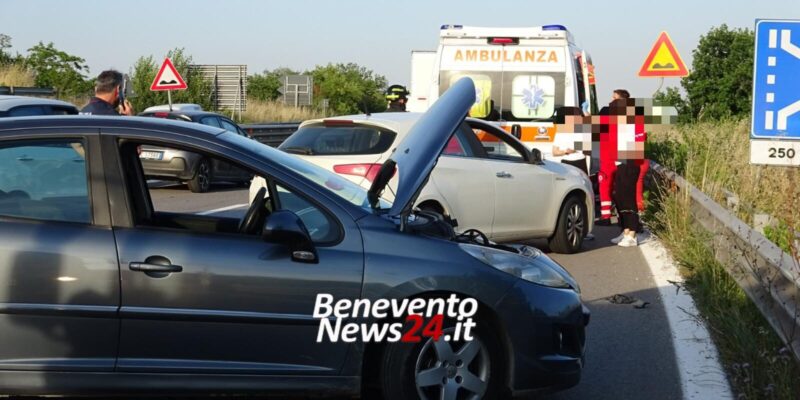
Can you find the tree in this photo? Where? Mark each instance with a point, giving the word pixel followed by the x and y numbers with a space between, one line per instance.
pixel 349 88
pixel 721 81
pixel 58 69
pixel 5 44
pixel 265 86
pixel 144 71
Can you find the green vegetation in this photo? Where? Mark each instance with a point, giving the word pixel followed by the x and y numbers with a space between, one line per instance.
pixel 60 70
pixel 714 156
pixel 349 88
pixel 264 87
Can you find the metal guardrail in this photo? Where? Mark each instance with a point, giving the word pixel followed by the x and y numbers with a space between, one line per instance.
pixel 272 134
pixel 769 276
pixel 27 91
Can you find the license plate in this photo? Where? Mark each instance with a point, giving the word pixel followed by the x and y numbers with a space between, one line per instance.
pixel 152 155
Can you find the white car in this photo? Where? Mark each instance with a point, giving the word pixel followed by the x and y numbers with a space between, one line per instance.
pixel 485 179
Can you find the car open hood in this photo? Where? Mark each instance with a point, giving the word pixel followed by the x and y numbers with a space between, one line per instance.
pixel 415 157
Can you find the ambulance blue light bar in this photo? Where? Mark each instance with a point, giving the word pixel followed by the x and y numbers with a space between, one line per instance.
pixel 554 28
pixel 451 27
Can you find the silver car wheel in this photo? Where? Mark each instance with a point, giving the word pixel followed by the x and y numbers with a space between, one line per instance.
pixel 575 225
pixel 442 373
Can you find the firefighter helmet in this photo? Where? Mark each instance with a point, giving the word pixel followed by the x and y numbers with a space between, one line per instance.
pixel 396 92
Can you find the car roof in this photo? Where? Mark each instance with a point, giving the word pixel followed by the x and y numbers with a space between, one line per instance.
pixel 175 107
pixel 10 125
pixel 399 122
pixel 187 113
pixel 8 102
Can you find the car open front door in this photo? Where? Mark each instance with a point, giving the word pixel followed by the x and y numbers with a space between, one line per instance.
pixel 59 278
pixel 199 297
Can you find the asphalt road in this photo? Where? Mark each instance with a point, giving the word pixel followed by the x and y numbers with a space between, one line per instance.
pixel 629 350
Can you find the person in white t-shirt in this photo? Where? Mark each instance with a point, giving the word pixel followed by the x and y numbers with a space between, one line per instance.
pixel 570 142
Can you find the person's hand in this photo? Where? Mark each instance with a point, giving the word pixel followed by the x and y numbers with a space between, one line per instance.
pixel 570 151
pixel 126 109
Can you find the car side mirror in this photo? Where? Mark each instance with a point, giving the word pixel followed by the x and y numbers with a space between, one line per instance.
pixel 285 227
pixel 536 156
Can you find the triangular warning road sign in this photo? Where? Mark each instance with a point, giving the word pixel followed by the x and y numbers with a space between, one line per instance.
pixel 663 60
pixel 168 78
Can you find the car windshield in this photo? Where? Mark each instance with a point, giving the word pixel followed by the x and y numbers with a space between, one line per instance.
pixel 339 186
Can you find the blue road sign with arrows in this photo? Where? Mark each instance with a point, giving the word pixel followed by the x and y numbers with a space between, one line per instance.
pixel 776 80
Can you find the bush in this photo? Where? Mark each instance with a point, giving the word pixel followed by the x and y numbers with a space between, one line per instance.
pixel 349 88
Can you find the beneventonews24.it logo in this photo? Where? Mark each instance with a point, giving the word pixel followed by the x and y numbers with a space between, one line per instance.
pixel 425 318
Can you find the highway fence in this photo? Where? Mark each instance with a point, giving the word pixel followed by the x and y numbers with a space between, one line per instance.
pixel 769 276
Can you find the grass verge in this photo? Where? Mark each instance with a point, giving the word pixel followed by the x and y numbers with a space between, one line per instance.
pixel 759 366
pixel 715 158
pixel 275 111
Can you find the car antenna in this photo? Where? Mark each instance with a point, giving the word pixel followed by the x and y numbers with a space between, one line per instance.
pixel 366 106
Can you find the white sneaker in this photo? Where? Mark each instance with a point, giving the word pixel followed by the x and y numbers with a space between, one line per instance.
pixel 618 239
pixel 628 242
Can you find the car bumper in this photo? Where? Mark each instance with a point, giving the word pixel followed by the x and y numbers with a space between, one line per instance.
pixel 546 334
pixel 175 169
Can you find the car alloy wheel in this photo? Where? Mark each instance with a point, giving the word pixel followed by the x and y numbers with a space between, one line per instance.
pixel 575 225
pixel 442 372
pixel 203 176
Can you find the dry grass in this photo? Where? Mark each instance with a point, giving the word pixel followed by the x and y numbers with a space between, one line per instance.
pixel 273 111
pixel 715 157
pixel 16 75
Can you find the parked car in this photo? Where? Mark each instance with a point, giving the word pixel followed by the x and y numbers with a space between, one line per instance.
pixel 198 172
pixel 486 179
pixel 23 106
pixel 99 284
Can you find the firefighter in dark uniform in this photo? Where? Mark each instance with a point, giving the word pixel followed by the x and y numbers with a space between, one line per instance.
pixel 397 96
pixel 106 98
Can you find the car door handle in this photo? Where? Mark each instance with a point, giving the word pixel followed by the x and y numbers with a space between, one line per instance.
pixel 503 174
pixel 155 264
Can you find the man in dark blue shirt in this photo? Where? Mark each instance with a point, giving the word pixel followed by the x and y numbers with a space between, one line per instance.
pixel 106 96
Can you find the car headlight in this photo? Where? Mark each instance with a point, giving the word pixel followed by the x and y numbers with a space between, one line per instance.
pixel 529 264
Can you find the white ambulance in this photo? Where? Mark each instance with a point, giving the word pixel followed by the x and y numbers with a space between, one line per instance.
pixel 521 75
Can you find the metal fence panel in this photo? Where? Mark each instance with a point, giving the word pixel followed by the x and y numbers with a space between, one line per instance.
pixel 229 85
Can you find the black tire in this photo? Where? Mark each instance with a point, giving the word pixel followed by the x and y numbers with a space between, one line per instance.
pixel 401 362
pixel 570 227
pixel 201 182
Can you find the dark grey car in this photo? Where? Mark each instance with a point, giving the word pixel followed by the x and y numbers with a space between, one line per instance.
pixel 197 171
pixel 101 294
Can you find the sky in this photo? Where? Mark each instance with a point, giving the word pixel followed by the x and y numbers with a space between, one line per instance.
pixel 377 34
